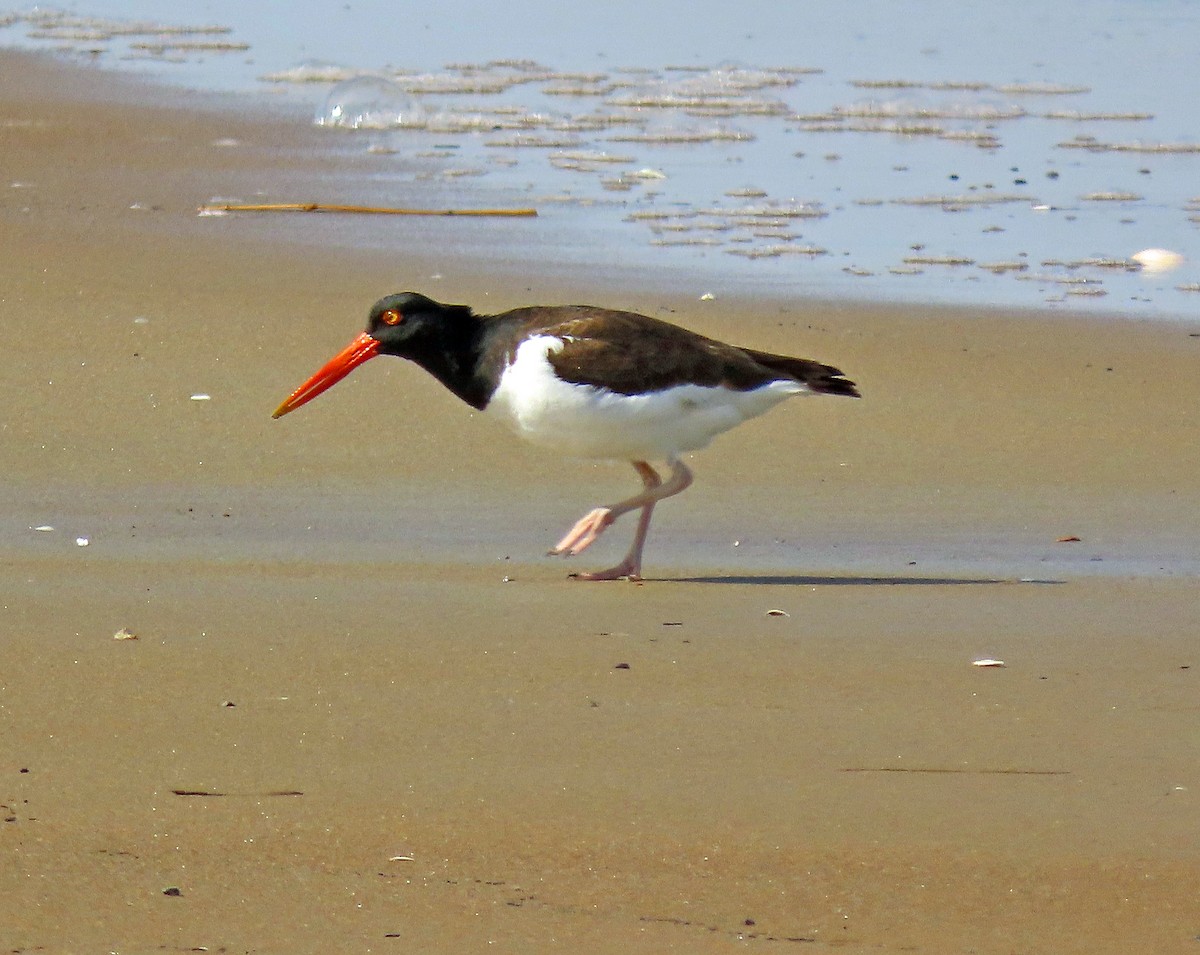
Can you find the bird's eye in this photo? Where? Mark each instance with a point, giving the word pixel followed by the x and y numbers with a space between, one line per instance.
pixel 392 317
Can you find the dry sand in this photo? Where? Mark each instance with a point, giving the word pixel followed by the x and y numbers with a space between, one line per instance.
pixel 335 737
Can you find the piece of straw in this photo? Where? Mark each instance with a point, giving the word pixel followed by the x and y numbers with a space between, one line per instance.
pixel 372 210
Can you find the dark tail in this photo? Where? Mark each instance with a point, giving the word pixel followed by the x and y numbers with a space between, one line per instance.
pixel 823 379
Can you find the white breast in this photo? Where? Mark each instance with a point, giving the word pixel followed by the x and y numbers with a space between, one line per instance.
pixel 590 422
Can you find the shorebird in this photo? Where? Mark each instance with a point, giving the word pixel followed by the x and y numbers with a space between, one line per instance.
pixel 591 382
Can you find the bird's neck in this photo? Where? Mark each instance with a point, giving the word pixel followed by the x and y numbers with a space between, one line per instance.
pixel 455 358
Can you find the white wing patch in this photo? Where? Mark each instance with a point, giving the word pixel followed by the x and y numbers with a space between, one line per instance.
pixel 587 421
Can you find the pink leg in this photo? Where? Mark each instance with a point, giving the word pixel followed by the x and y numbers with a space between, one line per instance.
pixel 592 525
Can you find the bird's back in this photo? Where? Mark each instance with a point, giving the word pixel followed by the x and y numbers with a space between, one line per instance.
pixel 629 353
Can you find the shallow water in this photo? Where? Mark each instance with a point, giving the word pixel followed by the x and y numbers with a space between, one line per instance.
pixel 176 523
pixel 1012 155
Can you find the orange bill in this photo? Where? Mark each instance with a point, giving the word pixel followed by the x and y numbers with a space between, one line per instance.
pixel 333 371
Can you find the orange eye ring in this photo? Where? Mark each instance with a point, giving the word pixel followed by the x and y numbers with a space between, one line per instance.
pixel 392 317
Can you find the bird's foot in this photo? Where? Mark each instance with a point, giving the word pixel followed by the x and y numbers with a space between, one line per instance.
pixel 628 568
pixel 580 537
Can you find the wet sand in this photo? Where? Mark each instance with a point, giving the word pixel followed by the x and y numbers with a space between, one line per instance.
pixel 363 712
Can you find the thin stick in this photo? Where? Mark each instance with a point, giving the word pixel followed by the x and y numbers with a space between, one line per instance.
pixel 320 207
pixel 213 793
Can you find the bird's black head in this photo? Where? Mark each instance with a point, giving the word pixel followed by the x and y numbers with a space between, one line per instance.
pixel 440 338
pixel 411 325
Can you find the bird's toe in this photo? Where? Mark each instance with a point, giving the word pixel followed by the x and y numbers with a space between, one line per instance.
pixel 580 537
pixel 625 570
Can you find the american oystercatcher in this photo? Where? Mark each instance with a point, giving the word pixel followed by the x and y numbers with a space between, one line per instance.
pixel 592 382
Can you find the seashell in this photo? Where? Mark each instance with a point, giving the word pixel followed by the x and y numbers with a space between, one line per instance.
pixel 1157 260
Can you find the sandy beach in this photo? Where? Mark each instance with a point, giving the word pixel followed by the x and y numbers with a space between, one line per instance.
pixel 364 713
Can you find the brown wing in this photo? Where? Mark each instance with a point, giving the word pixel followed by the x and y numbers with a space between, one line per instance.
pixel 630 353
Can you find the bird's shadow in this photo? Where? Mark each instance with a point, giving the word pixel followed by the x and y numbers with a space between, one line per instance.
pixel 809 580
